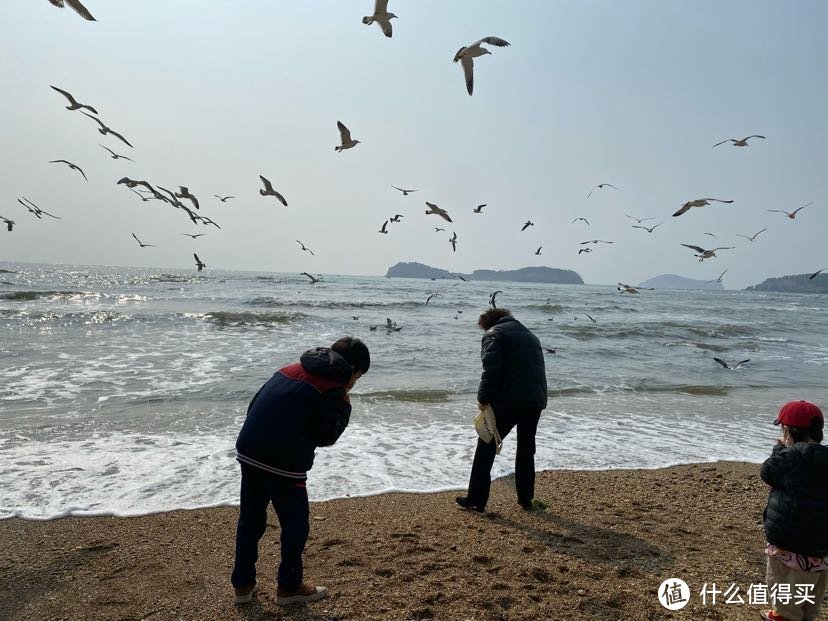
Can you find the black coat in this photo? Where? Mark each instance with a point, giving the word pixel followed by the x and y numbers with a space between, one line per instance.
pixel 796 517
pixel 514 372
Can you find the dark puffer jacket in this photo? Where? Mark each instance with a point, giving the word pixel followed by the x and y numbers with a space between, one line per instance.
pixel 302 407
pixel 514 373
pixel 796 517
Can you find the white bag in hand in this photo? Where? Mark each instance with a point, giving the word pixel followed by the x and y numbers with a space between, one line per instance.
pixel 486 427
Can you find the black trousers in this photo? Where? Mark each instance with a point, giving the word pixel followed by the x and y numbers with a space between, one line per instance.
pixel 290 500
pixel 480 480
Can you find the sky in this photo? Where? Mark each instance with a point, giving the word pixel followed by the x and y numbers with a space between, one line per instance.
pixel 214 94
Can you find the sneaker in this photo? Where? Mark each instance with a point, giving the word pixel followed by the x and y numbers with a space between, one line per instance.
pixel 463 503
pixel 770 615
pixel 305 593
pixel 245 594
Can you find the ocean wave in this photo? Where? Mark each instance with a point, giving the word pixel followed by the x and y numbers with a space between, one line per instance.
pixel 229 318
pixel 548 308
pixel 85 318
pixel 27 295
pixel 714 390
pixel 269 301
pixel 410 395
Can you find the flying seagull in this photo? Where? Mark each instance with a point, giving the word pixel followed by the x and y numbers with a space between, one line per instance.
pixel 492 298
pixel 185 193
pixel 648 229
pixel 453 242
pixel 434 209
pixel 223 199
pixel 70 165
pixel 713 235
pixel 638 220
pixel 115 156
pixel 739 143
pixel 10 224
pixel 699 202
pixel 791 214
pixel 77 7
pixel 428 299
pixel 194 235
pixel 345 138
pixel 384 228
pixel 479 208
pixel 437 229
pixel 596 241
pixel 304 247
pixel 381 17
pixel 37 211
pixel 753 237
pixel 207 221
pixel 811 277
pixel 313 279
pixel 727 366
pixel 131 183
pixel 467 54
pixel 600 186
pixel 105 130
pixel 73 103
pixel 527 225
pixel 549 350
pixel 576 219
pixel 405 192
pixel 396 217
pixel 591 318
pixel 626 288
pixel 538 251
pixel 269 191
pixel 707 254
pixel 199 264
pixel 142 244
pixel 584 250
pixel 719 277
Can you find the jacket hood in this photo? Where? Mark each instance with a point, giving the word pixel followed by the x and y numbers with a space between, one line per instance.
pixel 816 456
pixel 325 362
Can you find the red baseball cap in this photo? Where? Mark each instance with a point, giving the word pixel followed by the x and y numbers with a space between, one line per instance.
pixel 798 414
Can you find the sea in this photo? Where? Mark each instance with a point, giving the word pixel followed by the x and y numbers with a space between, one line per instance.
pixel 122 390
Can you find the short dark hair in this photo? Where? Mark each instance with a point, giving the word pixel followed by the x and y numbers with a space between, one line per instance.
pixel 803 434
pixel 492 316
pixel 354 351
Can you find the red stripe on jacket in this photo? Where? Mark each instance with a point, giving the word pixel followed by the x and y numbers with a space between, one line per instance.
pixel 297 372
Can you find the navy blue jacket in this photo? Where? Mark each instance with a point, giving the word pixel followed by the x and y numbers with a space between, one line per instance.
pixel 514 372
pixel 302 407
pixel 796 518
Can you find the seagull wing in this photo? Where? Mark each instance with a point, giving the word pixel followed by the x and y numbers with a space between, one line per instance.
pixel 778 211
pixel 380 6
pixel 46 213
pixel 385 26
pixel 760 232
pixel 280 198
pixel 492 41
pixel 96 119
pixel 740 363
pixel 108 149
pixel 684 209
pixel 198 261
pixel 468 70
pixel 138 240
pixel 80 10
pixel 815 274
pixel 344 133
pixel 721 248
pixel 803 207
pixel 753 136
pixel 724 141
pixel 635 226
pixel 745 236
pixel 268 186
pixel 721 362
pixel 696 248
pixel 718 200
pixel 120 137
pixel 60 90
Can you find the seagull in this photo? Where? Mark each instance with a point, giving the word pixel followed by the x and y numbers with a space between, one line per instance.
pixel 467 54
pixel 739 143
pixel 601 186
pixel 185 193
pixel 492 298
pixel 381 17
pixel 305 247
pixel 207 221
pixel 199 264
pixel 479 208
pixel 591 318
pixel 70 165
pixel 719 278
pixel 384 227
pixel 194 235
pixel 105 130
pixel 753 237
pixel 549 350
pixel 527 225
pixel 10 224
pixel 811 277
pixel 648 229
pixel 143 245
pixel 434 209
pixel 73 104
pixel 223 199
pixel 576 219
pixel 713 235
pixel 396 217
pixel 313 279
pixel 131 183
pixel 453 242
pixel 405 192
pixel 460 277
pixel 437 229
pixel 115 156
pixel 791 214
pixel 345 138
pixel 77 7
pixel 727 366
pixel 428 299
pixel 269 191
pixel 638 220
pixel 597 241
pixel 538 251
pixel 584 250
pixel 707 254
pixel 699 202
pixel 626 288
pixel 37 211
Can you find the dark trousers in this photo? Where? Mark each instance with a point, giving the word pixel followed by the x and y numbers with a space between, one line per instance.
pixel 480 480
pixel 290 500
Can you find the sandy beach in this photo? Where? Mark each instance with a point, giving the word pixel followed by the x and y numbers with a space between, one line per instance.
pixel 600 551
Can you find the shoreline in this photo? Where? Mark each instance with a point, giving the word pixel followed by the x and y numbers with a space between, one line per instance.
pixel 600 551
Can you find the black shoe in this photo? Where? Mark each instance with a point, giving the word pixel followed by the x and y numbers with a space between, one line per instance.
pixel 463 503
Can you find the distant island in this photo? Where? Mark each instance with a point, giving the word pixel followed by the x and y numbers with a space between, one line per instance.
pixel 525 274
pixel 672 281
pixel 795 283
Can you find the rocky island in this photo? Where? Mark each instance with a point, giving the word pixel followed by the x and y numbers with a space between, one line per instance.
pixel 540 274
pixel 673 281
pixel 794 283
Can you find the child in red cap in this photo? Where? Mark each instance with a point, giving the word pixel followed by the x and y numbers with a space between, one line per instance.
pixel 796 516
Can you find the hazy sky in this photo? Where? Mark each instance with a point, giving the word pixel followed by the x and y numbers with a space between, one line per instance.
pixel 214 93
